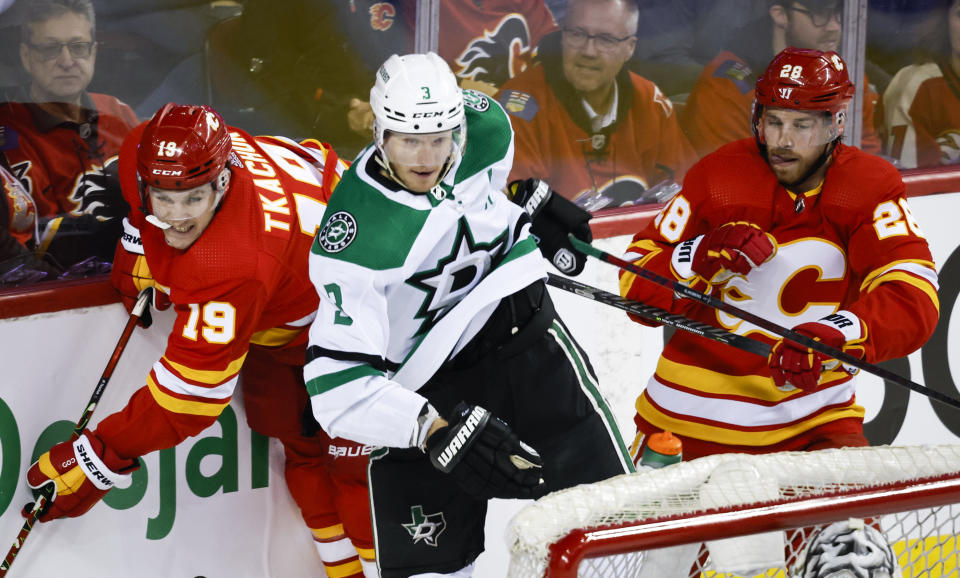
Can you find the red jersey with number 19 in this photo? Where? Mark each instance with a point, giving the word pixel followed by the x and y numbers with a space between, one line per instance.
pixel 851 244
pixel 244 281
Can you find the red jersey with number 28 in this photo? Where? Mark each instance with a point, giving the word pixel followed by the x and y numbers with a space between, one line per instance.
pixel 852 244
pixel 245 280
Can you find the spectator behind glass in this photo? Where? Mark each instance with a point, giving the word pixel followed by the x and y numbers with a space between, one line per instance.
pixel 62 141
pixel 599 134
pixel 921 106
pixel 676 38
pixel 718 109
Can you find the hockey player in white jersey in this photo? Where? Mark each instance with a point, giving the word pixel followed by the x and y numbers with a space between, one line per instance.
pixel 436 338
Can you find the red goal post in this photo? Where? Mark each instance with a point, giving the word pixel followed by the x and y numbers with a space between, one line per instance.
pixel 676 521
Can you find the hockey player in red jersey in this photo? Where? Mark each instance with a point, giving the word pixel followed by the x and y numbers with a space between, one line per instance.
pixel 222 225
pixel 800 229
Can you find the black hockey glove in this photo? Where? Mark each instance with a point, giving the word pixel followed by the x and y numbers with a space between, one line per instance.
pixel 485 456
pixel 554 217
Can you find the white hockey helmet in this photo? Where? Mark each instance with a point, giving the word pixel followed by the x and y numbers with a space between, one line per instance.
pixel 417 94
pixel 850 549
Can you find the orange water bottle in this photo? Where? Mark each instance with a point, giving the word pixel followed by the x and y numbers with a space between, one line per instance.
pixel 662 449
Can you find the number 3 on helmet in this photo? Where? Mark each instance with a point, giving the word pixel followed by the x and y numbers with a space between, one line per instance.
pixel 417 94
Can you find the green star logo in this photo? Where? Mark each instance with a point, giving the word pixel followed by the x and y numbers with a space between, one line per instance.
pixel 456 274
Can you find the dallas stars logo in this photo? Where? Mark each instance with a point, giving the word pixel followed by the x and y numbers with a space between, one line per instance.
pixel 456 274
pixel 340 230
pixel 425 527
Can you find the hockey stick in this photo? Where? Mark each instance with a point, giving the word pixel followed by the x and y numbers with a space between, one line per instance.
pixel 46 493
pixel 659 315
pixel 683 291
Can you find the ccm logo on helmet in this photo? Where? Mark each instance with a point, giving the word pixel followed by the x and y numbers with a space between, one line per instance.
pixel 166 172
pixel 427 114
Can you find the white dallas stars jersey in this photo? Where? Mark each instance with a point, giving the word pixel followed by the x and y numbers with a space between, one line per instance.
pixel 405 280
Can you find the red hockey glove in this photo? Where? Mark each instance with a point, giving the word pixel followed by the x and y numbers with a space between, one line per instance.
pixel 130 274
pixel 792 364
pixel 81 470
pixel 728 249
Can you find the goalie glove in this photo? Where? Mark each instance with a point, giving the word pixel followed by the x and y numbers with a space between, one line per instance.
pixel 554 217
pixel 485 456
pixel 75 474
pixel 130 274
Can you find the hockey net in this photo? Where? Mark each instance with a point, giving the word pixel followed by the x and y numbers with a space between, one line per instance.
pixel 678 521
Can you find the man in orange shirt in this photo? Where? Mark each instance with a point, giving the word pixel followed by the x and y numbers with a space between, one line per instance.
pixel 718 108
pixel 62 141
pixel 599 134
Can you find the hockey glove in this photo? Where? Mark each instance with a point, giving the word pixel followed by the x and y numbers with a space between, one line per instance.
pixel 485 456
pixel 131 274
pixel 728 249
pixel 76 474
pixel 793 365
pixel 554 217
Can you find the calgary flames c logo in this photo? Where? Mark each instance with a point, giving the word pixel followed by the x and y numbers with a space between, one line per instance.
pixel 382 15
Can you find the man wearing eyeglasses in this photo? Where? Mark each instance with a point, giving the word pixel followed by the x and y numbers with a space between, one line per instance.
pixel 718 108
pixel 599 134
pixel 62 141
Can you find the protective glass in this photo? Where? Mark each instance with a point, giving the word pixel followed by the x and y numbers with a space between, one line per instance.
pixel 578 38
pixel 821 18
pixel 797 129
pixel 422 150
pixel 171 206
pixel 51 50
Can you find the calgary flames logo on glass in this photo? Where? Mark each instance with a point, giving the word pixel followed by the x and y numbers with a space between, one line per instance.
pixel 497 56
pixel 382 15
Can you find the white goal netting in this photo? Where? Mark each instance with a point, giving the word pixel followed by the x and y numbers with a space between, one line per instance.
pixel 678 521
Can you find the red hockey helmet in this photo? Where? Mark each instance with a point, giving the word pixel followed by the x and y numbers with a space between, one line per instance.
pixel 803 80
pixel 183 147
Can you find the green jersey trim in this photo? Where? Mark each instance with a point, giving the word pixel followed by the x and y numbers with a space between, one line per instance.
pixel 358 218
pixel 489 135
pixel 329 381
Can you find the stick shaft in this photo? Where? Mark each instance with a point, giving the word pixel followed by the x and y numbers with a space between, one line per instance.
pixel 659 315
pixel 684 291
